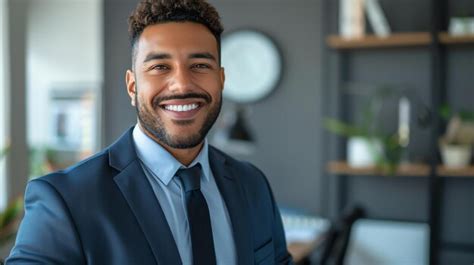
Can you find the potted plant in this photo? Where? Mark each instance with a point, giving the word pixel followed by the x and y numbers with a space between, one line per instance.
pixel 368 148
pixel 456 144
pixel 367 144
pixel 10 217
pixel 9 221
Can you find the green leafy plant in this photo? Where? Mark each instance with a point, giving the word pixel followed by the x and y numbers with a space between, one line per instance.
pixel 4 152
pixel 460 126
pixel 389 157
pixel 446 112
pixel 9 218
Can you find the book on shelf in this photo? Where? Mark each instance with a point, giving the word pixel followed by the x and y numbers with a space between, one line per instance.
pixel 351 18
pixel 376 18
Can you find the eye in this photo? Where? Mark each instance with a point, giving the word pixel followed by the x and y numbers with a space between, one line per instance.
pixel 159 67
pixel 201 66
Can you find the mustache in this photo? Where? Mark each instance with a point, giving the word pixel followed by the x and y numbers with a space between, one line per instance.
pixel 157 100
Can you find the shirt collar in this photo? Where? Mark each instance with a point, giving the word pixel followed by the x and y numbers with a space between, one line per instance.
pixel 160 162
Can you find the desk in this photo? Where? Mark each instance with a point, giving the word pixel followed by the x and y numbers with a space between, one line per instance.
pixel 303 234
pixel 301 250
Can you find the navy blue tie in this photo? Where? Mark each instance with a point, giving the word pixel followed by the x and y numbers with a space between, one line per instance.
pixel 198 216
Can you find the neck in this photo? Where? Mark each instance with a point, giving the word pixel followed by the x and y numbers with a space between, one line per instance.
pixel 184 156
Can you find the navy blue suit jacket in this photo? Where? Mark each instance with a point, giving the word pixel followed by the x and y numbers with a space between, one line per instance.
pixel 104 211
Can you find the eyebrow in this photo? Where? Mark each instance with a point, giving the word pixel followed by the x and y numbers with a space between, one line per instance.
pixel 161 56
pixel 156 56
pixel 202 55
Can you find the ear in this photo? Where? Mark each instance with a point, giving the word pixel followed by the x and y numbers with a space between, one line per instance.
pixel 222 76
pixel 131 87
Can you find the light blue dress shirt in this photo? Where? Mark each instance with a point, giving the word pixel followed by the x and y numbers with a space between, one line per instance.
pixel 160 168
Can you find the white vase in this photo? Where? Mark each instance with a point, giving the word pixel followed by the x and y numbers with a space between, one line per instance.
pixel 456 156
pixel 458 26
pixel 361 151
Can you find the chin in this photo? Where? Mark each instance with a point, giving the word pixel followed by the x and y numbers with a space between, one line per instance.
pixel 185 142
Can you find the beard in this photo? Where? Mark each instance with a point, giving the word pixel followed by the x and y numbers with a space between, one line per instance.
pixel 153 124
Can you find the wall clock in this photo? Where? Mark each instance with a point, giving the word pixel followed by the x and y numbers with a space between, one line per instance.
pixel 253 66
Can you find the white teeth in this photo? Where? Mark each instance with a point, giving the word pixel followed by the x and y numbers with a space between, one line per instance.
pixel 181 108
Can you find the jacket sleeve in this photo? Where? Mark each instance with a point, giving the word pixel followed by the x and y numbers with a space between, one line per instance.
pixel 47 234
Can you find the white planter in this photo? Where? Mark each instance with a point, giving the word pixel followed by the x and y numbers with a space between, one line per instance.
pixel 361 152
pixel 458 26
pixel 456 156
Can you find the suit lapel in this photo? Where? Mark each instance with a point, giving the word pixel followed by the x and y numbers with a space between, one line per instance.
pixel 138 193
pixel 235 201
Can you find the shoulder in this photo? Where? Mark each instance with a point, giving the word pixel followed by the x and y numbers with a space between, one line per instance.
pixel 245 167
pixel 251 178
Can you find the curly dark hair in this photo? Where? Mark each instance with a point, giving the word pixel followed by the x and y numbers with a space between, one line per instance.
pixel 151 12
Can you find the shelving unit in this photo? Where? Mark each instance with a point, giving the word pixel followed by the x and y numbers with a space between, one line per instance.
pixel 434 44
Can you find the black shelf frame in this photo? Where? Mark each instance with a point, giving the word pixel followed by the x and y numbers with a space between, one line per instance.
pixel 438 84
pixel 458 246
pixel 438 20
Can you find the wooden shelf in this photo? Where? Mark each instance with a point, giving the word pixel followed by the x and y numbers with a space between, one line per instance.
pixel 446 38
pixel 396 40
pixel 456 172
pixel 413 170
pixel 372 41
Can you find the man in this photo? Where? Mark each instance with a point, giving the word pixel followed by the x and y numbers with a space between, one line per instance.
pixel 160 194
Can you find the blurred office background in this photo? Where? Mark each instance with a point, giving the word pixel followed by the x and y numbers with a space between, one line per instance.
pixel 63 97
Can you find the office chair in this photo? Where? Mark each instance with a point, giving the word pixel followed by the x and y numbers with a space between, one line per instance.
pixel 335 245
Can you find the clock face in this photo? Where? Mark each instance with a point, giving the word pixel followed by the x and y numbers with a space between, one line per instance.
pixel 252 65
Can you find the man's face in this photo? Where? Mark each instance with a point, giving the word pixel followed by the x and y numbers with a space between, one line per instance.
pixel 177 82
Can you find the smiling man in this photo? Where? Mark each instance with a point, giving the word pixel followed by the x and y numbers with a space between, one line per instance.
pixel 160 194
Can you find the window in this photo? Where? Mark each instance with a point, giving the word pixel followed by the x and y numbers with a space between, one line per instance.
pixel 63 83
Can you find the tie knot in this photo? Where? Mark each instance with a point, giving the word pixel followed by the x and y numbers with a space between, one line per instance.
pixel 190 177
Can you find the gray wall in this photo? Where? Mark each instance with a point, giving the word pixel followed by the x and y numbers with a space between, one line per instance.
pixel 117 112
pixel 286 124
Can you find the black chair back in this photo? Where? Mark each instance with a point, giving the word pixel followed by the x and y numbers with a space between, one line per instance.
pixel 334 248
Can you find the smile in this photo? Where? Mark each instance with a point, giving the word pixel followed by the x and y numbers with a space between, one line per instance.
pixel 181 108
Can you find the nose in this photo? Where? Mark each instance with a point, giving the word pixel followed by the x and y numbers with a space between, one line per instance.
pixel 181 80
